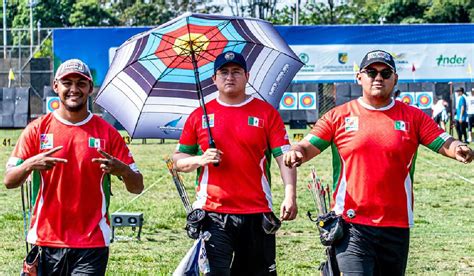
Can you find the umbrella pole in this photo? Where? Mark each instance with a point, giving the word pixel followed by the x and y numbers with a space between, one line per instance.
pixel 212 144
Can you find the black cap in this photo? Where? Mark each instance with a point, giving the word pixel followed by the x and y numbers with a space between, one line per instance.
pixel 378 56
pixel 229 57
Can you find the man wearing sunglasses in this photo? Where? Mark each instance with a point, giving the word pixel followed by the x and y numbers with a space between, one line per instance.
pixel 374 140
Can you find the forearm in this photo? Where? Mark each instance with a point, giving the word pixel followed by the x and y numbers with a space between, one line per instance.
pixel 306 149
pixel 186 163
pixel 133 181
pixel 288 176
pixel 15 176
pixel 449 148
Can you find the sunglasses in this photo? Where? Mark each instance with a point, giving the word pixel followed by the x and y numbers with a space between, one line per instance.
pixel 372 73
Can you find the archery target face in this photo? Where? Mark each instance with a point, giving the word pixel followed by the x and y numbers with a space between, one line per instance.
pixel 289 101
pixel 408 98
pixel 424 99
pixel 52 103
pixel 307 100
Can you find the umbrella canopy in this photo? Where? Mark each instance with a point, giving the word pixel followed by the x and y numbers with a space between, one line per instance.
pixel 151 86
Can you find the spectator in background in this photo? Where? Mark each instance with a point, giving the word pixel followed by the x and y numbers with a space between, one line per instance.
pixel 440 115
pixel 470 115
pixel 461 115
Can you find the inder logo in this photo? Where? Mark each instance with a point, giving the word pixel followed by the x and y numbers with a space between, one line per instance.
pixel 451 61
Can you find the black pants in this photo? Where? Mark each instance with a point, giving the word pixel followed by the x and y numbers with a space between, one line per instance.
pixel 239 246
pixel 461 129
pixel 367 250
pixel 73 261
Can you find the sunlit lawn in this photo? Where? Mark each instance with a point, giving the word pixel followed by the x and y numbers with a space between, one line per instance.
pixel 441 241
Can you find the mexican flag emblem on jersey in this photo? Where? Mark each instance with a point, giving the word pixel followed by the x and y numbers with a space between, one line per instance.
pixel 256 122
pixel 401 125
pixel 96 143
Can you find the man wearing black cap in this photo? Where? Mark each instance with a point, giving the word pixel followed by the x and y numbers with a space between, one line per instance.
pixel 236 194
pixel 70 154
pixel 374 140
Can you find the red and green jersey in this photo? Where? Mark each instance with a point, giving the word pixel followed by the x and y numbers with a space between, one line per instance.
pixel 71 200
pixel 374 152
pixel 248 134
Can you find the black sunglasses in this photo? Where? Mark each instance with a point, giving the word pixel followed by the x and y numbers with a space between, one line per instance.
pixel 372 73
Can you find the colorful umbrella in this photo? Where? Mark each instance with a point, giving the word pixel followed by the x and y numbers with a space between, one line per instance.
pixel 157 78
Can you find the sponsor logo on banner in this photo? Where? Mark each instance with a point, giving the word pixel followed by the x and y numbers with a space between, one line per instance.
pixel 171 126
pixel 211 120
pixel 304 57
pixel 401 125
pixel 342 58
pixel 352 123
pixel 96 143
pixel 256 122
pixel 46 141
pixel 451 61
pixel 399 58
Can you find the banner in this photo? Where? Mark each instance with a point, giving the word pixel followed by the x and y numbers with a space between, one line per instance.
pixel 414 62
pixel 332 53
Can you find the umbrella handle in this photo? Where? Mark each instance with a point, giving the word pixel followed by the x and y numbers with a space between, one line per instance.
pixel 212 145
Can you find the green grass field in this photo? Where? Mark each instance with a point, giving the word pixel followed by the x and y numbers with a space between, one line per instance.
pixel 441 242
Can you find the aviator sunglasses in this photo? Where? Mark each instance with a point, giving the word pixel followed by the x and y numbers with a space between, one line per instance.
pixel 372 73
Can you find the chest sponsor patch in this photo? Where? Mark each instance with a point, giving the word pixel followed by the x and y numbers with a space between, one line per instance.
pixel 96 143
pixel 211 120
pixel 46 141
pixel 351 123
pixel 256 122
pixel 401 125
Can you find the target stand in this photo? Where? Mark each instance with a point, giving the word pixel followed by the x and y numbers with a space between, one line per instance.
pixel 127 220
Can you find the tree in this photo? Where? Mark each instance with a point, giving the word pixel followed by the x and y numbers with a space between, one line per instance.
pixel 141 14
pixel 459 11
pixel 152 13
pixel 403 11
pixel 90 13
pixel 263 9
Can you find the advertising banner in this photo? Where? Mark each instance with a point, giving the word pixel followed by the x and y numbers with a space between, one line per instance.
pixel 332 53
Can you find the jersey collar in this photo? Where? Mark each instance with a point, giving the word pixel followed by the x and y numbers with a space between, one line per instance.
pixel 66 122
pixel 369 107
pixel 235 105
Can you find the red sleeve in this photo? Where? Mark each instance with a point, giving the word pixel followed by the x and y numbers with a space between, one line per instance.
pixel 277 135
pixel 323 132
pixel 26 146
pixel 428 130
pixel 188 142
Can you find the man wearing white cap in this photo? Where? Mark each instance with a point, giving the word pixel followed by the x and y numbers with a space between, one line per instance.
pixel 71 154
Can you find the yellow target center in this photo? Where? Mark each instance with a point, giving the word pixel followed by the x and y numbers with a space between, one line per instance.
pixel 195 41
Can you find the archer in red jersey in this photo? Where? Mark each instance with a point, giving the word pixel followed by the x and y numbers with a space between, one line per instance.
pixel 71 154
pixel 374 141
pixel 236 193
